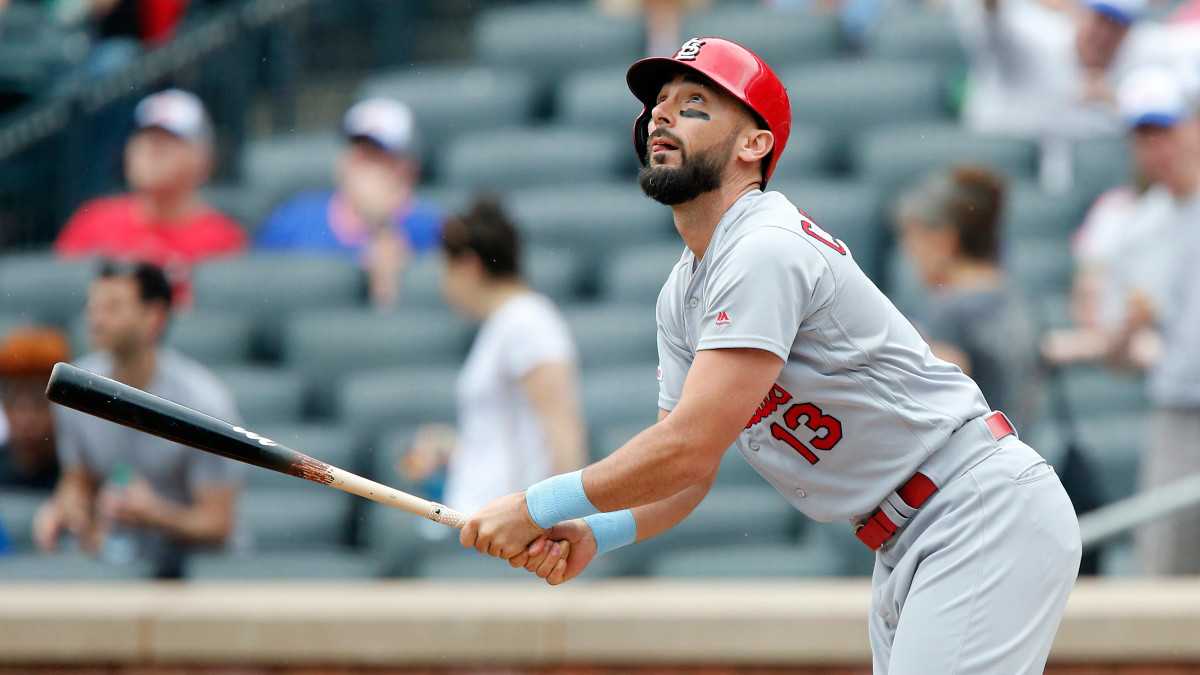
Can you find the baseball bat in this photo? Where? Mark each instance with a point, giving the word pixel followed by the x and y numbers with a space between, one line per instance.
pixel 120 403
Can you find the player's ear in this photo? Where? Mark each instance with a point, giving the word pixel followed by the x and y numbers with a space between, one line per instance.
pixel 755 145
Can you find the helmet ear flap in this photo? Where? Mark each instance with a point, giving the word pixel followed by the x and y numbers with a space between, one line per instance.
pixel 641 134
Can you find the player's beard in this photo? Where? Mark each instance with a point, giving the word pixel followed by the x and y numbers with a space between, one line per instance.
pixel 694 176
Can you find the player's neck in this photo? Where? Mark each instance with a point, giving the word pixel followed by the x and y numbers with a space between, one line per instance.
pixel 697 220
pixel 135 368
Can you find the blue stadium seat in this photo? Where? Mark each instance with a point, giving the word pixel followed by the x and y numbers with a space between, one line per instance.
pixel 1097 391
pixel 910 32
pixel 746 561
pixel 809 154
pixel 844 97
pixel 371 401
pixel 39 567
pixel 620 395
pixel 296 519
pixel 43 288
pixel 778 37
pixel 541 157
pixel 598 100
pixel 17 507
pixel 264 395
pixel 1038 267
pixel 550 39
pixel 1102 163
pixel 613 334
pixel 213 337
pixel 839 543
pixel 607 439
pixel 243 203
pixel 1031 213
pixel 637 275
pixel 1113 443
pixel 286 163
pixel 399 540
pixel 895 154
pixel 557 273
pixel 450 101
pixel 590 219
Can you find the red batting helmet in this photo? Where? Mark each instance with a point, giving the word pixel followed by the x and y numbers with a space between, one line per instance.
pixel 732 67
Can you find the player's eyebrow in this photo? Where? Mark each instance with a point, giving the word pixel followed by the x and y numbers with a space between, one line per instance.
pixel 690 112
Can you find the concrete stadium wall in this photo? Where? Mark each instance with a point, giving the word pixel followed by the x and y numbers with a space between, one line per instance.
pixel 605 624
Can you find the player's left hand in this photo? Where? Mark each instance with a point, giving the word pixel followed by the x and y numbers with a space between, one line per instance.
pixel 503 528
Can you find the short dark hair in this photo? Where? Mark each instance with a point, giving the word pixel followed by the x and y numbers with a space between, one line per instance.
pixel 486 231
pixel 152 282
pixel 967 198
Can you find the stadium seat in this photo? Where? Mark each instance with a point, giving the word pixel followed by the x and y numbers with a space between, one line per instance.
pixel 590 219
pixel 736 471
pixel 1102 163
pixel 839 543
pixel 1031 213
pixel 778 560
pixel 330 564
pixel 903 284
pixel 778 37
pixel 450 101
pixel 67 566
pixel 1114 443
pixel 548 158
pixel 895 154
pixel 399 540
pixel 265 395
pixel 637 275
pixel 1038 267
pixel 371 401
pixel 604 440
pixel 613 334
pixel 328 344
pixel 268 287
pixel 1098 391
pixel 283 164
pixel 550 39
pixel 620 395
pixel 908 32
pixel 555 272
pixel 40 287
pixel 10 322
pixel 213 337
pixel 243 203
pixel 17 507
pixel 330 443
pixel 809 154
pixel 844 97
pixel 599 101
pixel 297 519
pixel 849 210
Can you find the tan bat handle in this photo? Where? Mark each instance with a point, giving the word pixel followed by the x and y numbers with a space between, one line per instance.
pixel 364 487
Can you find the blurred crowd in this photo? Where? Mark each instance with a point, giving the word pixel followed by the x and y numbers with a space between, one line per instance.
pixel 1050 71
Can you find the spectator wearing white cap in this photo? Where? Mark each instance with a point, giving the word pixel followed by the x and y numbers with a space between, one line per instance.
pixel 1155 290
pixel 373 214
pixel 162 220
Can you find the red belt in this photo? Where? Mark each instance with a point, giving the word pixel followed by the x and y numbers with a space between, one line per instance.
pixel 876 530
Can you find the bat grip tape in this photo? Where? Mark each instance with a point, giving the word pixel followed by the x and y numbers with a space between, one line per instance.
pixel 558 498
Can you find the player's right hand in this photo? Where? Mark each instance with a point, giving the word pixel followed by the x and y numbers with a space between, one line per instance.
pixel 545 557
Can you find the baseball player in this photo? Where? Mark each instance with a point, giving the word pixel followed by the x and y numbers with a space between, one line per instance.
pixel 770 336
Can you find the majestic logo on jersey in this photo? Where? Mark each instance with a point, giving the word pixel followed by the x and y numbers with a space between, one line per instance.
pixel 690 50
pixel 775 398
pixel 660 373
pixel 722 319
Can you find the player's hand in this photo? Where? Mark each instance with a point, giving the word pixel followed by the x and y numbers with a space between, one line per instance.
pixel 550 560
pixel 503 528
pixel 134 505
pixel 49 522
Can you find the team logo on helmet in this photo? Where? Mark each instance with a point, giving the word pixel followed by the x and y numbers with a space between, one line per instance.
pixel 690 50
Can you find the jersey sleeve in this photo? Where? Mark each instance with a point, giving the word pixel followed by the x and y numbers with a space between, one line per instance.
pixel 760 291
pixel 674 357
pixel 541 337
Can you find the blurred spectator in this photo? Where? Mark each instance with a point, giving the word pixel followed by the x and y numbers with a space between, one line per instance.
pixel 519 416
pixel 163 220
pixel 125 494
pixel 27 355
pixel 1156 291
pixel 950 229
pixel 373 214
pixel 664 20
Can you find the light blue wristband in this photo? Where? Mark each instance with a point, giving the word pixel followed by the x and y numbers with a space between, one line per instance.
pixel 558 498
pixel 612 530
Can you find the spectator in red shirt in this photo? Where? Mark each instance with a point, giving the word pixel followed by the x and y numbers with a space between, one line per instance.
pixel 163 220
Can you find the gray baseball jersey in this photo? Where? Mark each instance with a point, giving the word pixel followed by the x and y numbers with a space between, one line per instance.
pixel 861 401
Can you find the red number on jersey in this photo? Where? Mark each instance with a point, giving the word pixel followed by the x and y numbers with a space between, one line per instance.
pixel 815 420
pixel 816 232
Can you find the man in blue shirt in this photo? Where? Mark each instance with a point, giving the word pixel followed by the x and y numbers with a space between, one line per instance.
pixel 373 214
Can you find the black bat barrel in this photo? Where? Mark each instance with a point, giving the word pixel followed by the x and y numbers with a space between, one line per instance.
pixel 116 402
